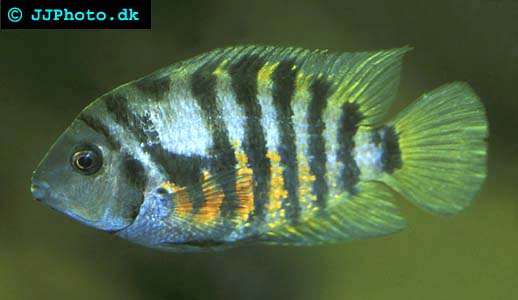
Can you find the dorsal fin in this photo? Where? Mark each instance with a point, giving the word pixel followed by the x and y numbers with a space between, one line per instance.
pixel 369 79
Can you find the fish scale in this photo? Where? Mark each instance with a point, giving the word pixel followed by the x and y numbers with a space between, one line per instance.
pixel 265 144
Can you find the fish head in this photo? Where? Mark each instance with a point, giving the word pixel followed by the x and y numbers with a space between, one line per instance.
pixel 83 176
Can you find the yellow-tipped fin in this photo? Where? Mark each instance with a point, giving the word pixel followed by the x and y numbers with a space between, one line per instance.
pixel 443 149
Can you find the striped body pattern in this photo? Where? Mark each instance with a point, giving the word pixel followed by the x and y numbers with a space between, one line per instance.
pixel 253 144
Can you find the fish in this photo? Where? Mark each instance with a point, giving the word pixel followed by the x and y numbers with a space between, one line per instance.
pixel 265 145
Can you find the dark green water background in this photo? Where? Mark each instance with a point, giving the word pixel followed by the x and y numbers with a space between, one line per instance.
pixel 47 77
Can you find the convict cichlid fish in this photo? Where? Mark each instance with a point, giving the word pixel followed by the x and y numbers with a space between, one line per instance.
pixel 265 144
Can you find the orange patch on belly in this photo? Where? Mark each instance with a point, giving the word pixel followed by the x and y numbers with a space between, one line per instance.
pixel 211 210
pixel 277 191
pixel 306 180
pixel 183 205
pixel 245 193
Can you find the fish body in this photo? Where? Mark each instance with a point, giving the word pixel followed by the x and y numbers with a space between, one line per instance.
pixel 264 144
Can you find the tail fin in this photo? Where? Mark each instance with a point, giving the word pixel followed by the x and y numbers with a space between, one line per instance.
pixel 443 149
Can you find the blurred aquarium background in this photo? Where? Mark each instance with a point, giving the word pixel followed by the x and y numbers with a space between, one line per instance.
pixel 48 76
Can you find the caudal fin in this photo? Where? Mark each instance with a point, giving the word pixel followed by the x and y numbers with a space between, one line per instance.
pixel 443 149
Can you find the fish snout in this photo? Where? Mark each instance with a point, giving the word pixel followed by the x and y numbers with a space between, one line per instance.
pixel 40 190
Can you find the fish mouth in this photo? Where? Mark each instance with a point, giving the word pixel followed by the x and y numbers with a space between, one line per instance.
pixel 40 190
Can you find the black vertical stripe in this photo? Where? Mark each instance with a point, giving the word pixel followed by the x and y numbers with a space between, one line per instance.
pixel 320 91
pixel 348 126
pixel 117 105
pixel 391 156
pixel 97 125
pixel 223 159
pixel 284 78
pixel 244 83
pixel 180 169
pixel 141 126
pixel 135 175
pixel 184 171
pixel 154 87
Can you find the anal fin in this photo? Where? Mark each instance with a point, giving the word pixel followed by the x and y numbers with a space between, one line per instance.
pixel 369 213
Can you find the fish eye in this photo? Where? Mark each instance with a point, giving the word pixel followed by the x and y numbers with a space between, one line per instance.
pixel 87 162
